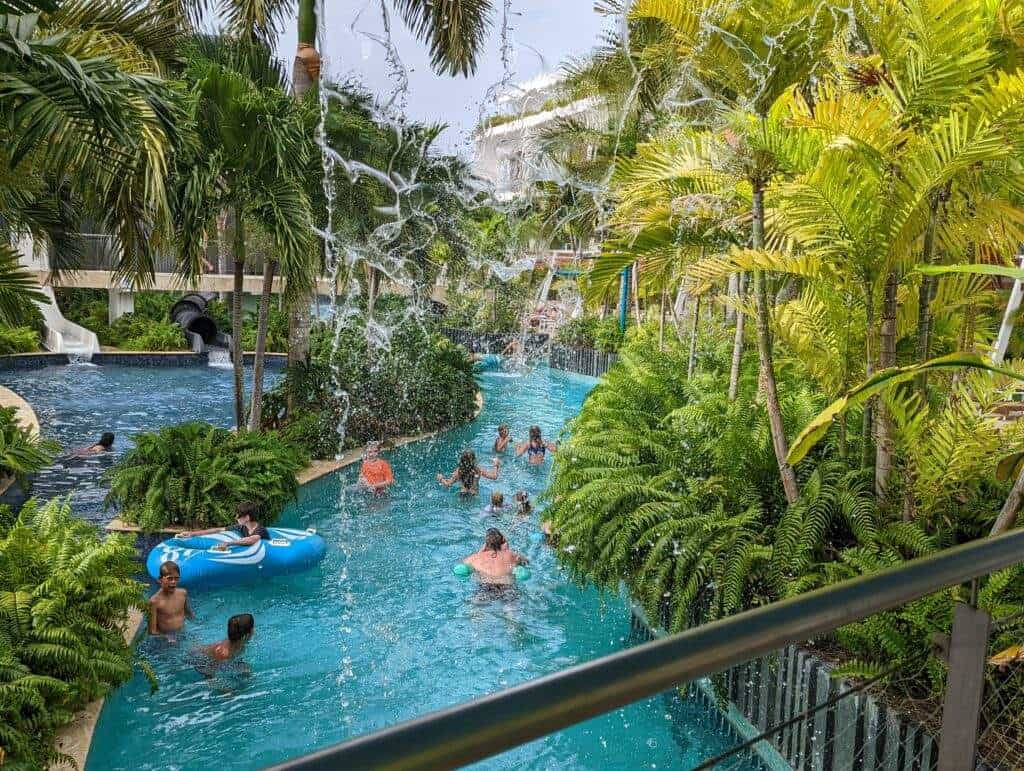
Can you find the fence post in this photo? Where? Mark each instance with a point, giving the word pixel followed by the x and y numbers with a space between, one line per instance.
pixel 965 685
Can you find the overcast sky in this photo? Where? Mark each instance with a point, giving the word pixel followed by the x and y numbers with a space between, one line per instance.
pixel 545 33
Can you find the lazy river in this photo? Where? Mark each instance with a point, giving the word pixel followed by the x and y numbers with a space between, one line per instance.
pixel 381 630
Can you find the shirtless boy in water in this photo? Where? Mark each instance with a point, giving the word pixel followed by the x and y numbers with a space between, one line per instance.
pixel 169 607
pixel 241 628
pixel 495 561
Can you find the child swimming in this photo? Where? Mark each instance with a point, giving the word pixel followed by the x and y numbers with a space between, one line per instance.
pixel 169 607
pixel 241 628
pixel 497 504
pixel 468 474
pixel 523 505
pixel 503 438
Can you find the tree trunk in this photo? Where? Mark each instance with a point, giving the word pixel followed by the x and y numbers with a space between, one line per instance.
pixel 256 405
pixel 886 359
pixel 1012 306
pixel 867 420
pixel 926 293
pixel 635 275
pixel 692 362
pixel 764 350
pixel 737 341
pixel 236 321
pixel 305 76
pixel 731 291
pixel 225 223
pixel 661 322
pixel 372 289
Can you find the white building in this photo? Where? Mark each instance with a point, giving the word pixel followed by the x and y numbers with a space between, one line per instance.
pixel 508 151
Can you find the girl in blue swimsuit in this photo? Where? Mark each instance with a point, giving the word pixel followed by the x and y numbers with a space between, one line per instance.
pixel 535 447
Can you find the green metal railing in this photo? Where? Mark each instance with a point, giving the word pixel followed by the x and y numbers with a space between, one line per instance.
pixel 492 724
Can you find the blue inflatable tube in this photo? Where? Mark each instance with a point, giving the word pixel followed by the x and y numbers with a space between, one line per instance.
pixel 287 551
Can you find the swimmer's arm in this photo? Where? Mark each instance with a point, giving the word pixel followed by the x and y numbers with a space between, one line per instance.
pixel 450 481
pixel 489 474
pixel 553 446
pixel 520 559
pixel 189 613
pixel 249 540
pixel 521 448
pixel 194 533
pixel 153 629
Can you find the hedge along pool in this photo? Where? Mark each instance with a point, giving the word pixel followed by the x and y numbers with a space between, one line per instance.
pixel 381 631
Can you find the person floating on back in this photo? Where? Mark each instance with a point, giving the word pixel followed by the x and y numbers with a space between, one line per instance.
pixel 503 438
pixel 169 607
pixel 105 444
pixel 247 528
pixel 376 474
pixel 535 447
pixel 468 474
pixel 495 561
pixel 497 504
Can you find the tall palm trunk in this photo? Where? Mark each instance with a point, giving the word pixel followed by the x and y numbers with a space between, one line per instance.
pixel 256 405
pixel 236 320
pixel 305 76
pixel 661 321
pixel 692 361
pixel 886 359
pixel 225 223
pixel 764 350
pixel 867 421
pixel 1011 506
pixel 926 292
pixel 737 341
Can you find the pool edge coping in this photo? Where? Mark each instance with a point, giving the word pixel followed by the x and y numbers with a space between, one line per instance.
pixel 77 735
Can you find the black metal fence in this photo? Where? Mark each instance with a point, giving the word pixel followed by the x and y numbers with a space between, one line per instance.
pixel 583 361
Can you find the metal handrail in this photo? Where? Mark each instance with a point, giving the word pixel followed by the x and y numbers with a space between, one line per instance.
pixel 491 724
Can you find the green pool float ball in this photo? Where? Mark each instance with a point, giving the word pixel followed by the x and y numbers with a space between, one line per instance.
pixel 520 573
pixel 462 570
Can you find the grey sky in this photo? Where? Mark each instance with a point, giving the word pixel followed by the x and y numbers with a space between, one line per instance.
pixel 555 29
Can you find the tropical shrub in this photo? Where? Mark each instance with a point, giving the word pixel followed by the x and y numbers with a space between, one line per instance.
pixel 416 381
pixel 147 328
pixel 65 594
pixel 22 451
pixel 18 340
pixel 193 475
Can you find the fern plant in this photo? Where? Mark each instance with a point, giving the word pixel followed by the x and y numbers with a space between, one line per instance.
pixel 64 598
pixel 194 474
pixel 22 451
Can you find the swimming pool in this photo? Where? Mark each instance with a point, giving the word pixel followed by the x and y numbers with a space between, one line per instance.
pixel 76 403
pixel 381 630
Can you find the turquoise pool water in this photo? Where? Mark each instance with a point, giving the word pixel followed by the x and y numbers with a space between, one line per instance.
pixel 381 630
pixel 76 403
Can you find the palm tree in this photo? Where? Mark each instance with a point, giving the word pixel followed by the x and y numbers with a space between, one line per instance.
pixel 248 136
pixel 454 31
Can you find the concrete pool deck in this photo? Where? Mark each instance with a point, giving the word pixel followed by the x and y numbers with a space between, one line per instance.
pixel 75 738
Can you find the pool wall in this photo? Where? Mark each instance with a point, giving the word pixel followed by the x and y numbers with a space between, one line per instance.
pixel 21 361
pixel 857 732
pixel 582 361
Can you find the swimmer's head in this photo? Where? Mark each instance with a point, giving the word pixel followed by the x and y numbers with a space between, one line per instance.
pixel 497 498
pixel 523 502
pixel 106 440
pixel 170 574
pixel 494 540
pixel 503 429
pixel 241 627
pixel 372 450
pixel 246 511
pixel 535 435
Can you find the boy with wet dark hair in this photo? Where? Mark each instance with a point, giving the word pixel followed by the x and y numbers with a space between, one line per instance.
pixel 169 607
pixel 241 628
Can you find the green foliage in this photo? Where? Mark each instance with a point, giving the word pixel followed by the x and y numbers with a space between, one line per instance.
pixel 22 451
pixel 147 328
pixel 419 382
pixel 64 599
pixel 277 330
pixel 194 474
pixel 18 340
pixel 591 332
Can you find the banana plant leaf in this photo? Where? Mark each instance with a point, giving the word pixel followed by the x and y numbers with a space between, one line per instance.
pixel 982 270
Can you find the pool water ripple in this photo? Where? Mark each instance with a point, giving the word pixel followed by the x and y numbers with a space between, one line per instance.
pixel 382 631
